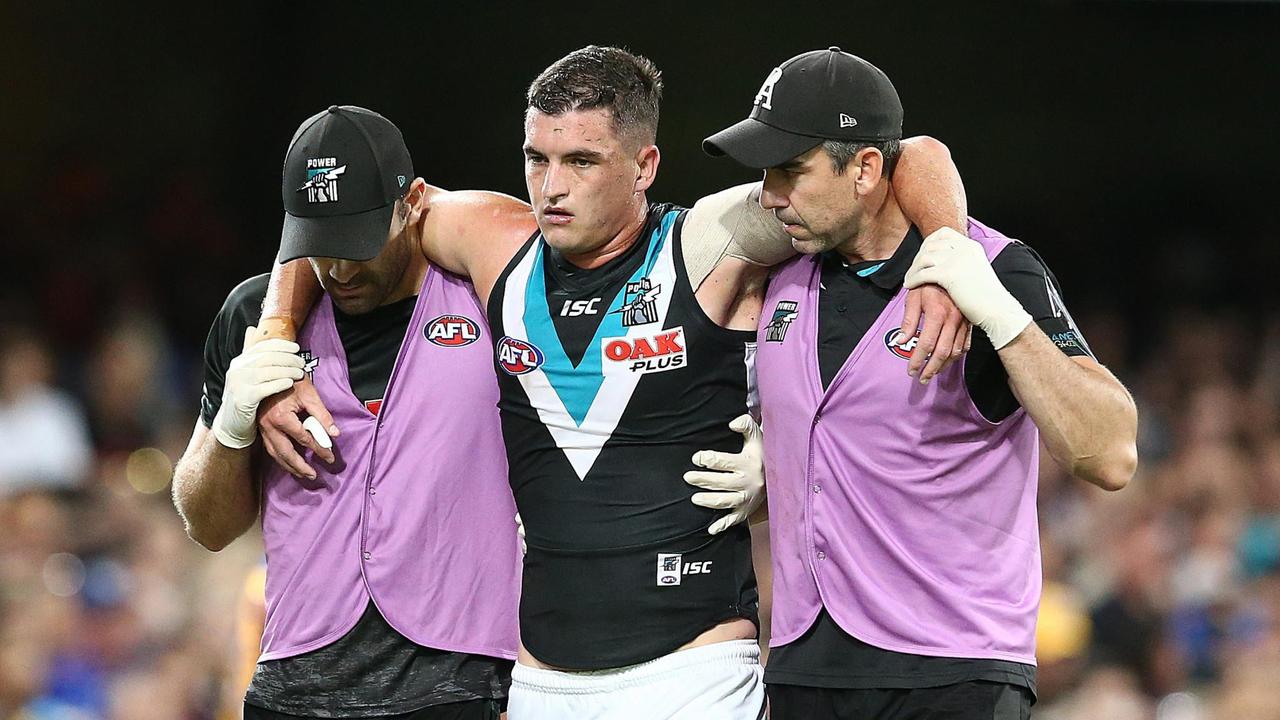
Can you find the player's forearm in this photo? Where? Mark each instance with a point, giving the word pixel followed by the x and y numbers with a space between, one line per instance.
pixel 928 186
pixel 1088 421
pixel 293 290
pixel 214 492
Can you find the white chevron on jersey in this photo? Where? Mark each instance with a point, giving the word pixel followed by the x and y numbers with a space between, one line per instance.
pixel 582 444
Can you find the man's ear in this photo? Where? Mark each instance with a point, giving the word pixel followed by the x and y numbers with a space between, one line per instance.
pixel 868 168
pixel 647 159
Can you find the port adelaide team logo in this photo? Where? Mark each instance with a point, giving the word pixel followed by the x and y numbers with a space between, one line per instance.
pixel 452 331
pixel 323 175
pixel 518 357
pixel 904 349
pixel 783 314
pixel 309 362
pixel 639 304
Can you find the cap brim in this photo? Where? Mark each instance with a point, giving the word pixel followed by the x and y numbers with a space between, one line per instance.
pixel 758 145
pixel 358 237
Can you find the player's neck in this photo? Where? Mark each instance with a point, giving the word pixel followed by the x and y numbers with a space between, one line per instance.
pixel 879 235
pixel 621 240
pixel 414 273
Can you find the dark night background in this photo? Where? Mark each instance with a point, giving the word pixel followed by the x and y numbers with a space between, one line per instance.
pixel 1132 143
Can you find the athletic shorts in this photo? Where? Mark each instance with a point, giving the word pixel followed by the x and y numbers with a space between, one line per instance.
pixel 977 700
pixel 721 681
pixel 467 710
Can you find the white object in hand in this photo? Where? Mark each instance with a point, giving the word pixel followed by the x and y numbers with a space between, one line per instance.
pixel 318 432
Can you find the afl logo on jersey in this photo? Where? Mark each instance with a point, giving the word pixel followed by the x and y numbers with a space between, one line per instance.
pixel 902 350
pixel 452 331
pixel 517 357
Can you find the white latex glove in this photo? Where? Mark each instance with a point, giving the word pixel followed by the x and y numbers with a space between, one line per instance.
pixel 260 371
pixel 959 265
pixel 735 479
pixel 520 531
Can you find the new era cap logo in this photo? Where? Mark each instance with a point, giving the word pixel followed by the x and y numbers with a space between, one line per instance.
pixel 847 121
pixel 322 180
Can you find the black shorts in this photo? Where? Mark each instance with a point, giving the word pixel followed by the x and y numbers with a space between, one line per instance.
pixel 468 710
pixel 976 700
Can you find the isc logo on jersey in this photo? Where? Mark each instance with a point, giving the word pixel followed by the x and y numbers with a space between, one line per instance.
pixel 517 357
pixel 658 352
pixel 452 331
pixel 672 568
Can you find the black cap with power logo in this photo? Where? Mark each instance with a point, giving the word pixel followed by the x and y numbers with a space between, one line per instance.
pixel 820 95
pixel 344 171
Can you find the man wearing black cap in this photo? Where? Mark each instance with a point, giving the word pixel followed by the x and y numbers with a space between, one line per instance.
pixel 392 569
pixel 903 529
pixel 623 332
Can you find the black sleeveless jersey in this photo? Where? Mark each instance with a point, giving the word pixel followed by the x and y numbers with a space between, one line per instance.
pixel 611 379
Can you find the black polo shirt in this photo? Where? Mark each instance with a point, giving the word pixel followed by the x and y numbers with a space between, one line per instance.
pixel 852 297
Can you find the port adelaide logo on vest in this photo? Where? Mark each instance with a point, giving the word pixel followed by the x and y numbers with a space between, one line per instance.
pixel 452 331
pixel 518 357
pixel 783 313
pixel 644 354
pixel 901 349
pixel 309 362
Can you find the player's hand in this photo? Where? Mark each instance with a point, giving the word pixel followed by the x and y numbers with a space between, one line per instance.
pixel 261 369
pixel 944 333
pixel 958 264
pixel 520 531
pixel 736 480
pixel 297 418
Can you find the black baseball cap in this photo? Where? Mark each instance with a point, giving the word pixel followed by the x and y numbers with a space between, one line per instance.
pixel 820 95
pixel 344 171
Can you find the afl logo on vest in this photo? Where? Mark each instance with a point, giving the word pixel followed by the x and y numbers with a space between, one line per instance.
pixel 517 357
pixel 452 331
pixel 902 350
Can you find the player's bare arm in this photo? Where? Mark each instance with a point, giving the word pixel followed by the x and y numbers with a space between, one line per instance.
pixel 214 490
pixel 473 233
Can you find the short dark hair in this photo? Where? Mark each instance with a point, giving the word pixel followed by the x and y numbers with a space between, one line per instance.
pixel 842 151
pixel 629 85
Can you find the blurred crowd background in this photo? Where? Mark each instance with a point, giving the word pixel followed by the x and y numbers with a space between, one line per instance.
pixel 1126 141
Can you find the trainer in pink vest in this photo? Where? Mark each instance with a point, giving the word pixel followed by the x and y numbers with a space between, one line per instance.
pixel 416 513
pixel 896 505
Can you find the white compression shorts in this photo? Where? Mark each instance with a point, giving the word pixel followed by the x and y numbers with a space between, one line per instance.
pixel 721 681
